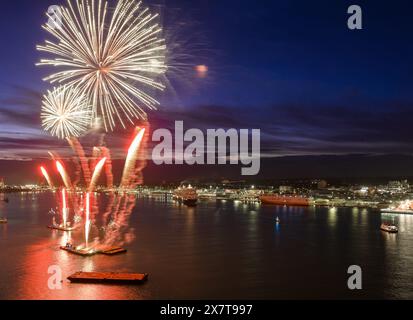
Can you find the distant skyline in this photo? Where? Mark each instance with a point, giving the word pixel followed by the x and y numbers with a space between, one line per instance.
pixel 290 68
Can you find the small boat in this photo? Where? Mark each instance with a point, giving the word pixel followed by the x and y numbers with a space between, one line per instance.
pixel 3 220
pixel 388 228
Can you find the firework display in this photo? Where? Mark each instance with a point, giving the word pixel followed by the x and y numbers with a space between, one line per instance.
pixel 65 113
pixel 113 58
pixel 115 218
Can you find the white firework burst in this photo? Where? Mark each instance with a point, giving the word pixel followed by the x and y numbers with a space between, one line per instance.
pixel 65 113
pixel 113 57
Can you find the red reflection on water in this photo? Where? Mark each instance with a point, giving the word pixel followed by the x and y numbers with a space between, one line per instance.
pixel 33 283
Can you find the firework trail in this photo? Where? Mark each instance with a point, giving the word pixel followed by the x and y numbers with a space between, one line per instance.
pixel 64 175
pixel 128 171
pixel 109 174
pixel 46 176
pixel 95 156
pixel 84 163
pixel 115 58
pixel 64 208
pixel 120 224
pixel 120 205
pixel 65 113
pixel 54 156
pixel 96 174
pixel 140 164
pixel 77 171
pixel 87 222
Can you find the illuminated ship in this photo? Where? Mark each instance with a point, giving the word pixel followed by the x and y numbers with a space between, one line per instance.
pixel 406 207
pixel 389 228
pixel 187 196
pixel 285 200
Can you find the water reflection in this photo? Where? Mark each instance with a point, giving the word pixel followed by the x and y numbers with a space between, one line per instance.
pixel 213 246
pixel 332 216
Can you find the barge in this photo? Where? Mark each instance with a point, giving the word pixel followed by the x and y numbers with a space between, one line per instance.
pixel 109 251
pixel 79 252
pixel 108 277
pixel 60 228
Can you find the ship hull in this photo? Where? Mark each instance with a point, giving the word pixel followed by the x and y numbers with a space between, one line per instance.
pixel 285 201
pixel 190 202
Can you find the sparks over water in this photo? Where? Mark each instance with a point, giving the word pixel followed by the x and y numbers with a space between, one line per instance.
pixel 87 220
pixel 111 56
pixel 64 208
pixel 116 214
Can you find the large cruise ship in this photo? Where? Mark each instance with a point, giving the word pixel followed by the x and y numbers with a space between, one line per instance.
pixel 186 195
pixel 282 200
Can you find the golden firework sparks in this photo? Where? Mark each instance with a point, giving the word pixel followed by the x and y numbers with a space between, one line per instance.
pixel 65 113
pixel 114 58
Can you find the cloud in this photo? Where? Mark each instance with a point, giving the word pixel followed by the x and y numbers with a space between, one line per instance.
pixel 288 129
pixel 308 129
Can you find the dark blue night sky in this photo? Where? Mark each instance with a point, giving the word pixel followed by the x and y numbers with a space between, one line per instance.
pixel 290 68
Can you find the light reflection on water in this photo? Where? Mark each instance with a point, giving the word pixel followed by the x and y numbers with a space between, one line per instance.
pixel 217 250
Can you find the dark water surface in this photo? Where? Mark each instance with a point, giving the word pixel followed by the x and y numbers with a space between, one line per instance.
pixel 218 250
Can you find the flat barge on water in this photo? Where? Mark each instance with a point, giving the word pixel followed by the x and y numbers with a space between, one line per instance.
pixel 108 251
pixel 60 228
pixel 108 277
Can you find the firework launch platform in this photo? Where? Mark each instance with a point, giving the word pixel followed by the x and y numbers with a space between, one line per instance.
pixel 110 251
pixel 108 277
pixel 80 252
pixel 61 228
